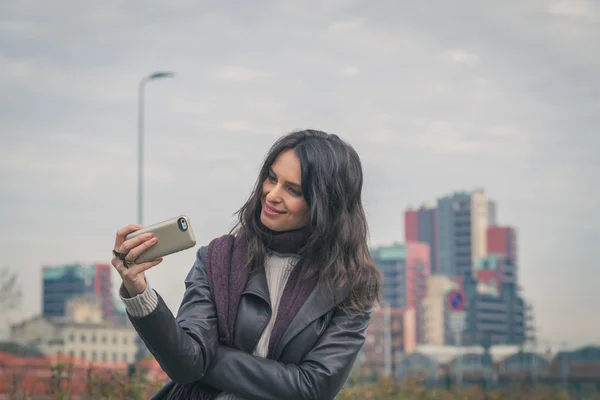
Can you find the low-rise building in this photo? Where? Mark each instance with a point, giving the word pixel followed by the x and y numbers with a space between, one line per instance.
pixel 82 333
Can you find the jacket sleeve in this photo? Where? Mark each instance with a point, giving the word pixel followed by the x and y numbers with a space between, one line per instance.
pixel 320 375
pixel 184 347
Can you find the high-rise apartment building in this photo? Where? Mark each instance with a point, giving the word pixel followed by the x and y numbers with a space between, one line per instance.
pixel 435 310
pixel 462 220
pixel 502 240
pixel 494 316
pixel 479 225
pixel 404 269
pixel 502 244
pixel 61 283
pixel 494 312
pixel 421 226
pixel 472 253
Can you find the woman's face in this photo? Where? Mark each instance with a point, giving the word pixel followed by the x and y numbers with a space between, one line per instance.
pixel 283 204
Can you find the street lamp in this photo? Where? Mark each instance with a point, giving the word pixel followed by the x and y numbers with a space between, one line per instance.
pixel 387 338
pixel 156 75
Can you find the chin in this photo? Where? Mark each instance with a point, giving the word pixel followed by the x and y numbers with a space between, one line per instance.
pixel 267 223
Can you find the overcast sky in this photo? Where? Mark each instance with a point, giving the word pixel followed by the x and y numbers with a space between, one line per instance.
pixel 437 97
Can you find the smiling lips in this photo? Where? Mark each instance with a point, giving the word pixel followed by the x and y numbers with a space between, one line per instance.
pixel 271 211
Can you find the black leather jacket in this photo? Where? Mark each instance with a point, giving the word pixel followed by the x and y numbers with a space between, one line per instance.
pixel 313 358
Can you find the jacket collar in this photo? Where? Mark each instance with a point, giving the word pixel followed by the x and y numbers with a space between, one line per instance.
pixel 257 285
pixel 318 303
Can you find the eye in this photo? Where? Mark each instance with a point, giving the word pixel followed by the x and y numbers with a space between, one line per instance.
pixel 271 178
pixel 294 191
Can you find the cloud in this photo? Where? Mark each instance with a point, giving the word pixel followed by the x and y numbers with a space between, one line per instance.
pixel 238 74
pixel 350 70
pixel 585 10
pixel 462 57
pixel 17 27
pixel 344 27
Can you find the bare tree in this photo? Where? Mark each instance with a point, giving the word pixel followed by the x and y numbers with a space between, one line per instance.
pixel 10 290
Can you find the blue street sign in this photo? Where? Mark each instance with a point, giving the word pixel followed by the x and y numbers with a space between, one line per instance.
pixel 457 300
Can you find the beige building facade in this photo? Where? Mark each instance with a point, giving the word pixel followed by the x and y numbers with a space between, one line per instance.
pixel 434 304
pixel 479 223
pixel 82 334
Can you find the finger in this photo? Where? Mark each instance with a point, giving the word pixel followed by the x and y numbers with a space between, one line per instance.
pixel 133 243
pixel 121 233
pixel 119 266
pixel 134 253
pixel 136 269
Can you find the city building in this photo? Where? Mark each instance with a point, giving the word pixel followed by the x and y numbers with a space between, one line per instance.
pixel 82 332
pixel 494 269
pixel 455 230
pixel 493 316
pixel 502 240
pixel 391 333
pixel 435 310
pixel 576 368
pixel 404 269
pixel 494 312
pixel 479 225
pixel 61 283
pixel 462 220
pixel 421 226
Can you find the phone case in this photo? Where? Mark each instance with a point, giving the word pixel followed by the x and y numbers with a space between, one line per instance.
pixel 174 235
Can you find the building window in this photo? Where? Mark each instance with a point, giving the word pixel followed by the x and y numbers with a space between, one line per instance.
pixel 104 356
pixel 114 357
pixel 93 356
pixel 82 354
pixel 104 339
pixel 71 337
pixel 115 339
pixel 93 338
pixel 83 338
pixel 124 339
pixel 125 357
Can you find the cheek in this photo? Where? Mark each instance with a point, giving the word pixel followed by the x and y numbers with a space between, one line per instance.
pixel 300 208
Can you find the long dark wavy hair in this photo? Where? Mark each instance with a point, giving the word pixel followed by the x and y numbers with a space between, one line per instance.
pixel 336 251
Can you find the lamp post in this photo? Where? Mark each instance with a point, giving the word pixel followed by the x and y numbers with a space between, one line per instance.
pixel 156 75
pixel 387 339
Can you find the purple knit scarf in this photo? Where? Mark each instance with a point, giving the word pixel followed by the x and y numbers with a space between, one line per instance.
pixel 227 271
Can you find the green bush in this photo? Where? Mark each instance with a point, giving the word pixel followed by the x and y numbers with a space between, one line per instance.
pixel 388 389
pixel 133 384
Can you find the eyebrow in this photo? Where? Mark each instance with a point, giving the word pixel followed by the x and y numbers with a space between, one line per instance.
pixel 296 185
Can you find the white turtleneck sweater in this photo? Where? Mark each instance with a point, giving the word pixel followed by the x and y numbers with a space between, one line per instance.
pixel 277 267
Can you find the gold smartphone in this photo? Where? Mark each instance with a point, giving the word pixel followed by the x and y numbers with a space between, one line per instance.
pixel 173 235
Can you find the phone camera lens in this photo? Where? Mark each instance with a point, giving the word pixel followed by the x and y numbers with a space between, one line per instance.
pixel 183 224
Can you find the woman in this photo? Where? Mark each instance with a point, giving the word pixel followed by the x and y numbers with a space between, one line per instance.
pixel 279 308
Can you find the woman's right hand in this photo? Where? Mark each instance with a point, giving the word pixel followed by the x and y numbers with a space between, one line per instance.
pixel 133 274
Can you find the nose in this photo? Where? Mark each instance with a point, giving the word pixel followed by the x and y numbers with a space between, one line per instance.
pixel 274 195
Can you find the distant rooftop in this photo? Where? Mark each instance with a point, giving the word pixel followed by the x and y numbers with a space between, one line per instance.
pixel 490 261
pixel 85 272
pixel 19 349
pixel 395 252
